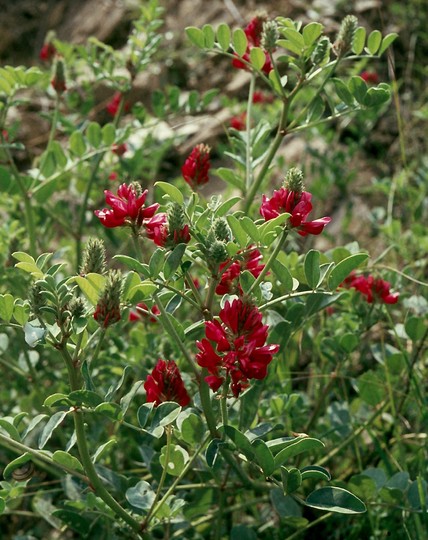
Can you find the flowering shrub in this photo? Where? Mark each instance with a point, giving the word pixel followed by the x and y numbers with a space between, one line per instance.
pixel 198 426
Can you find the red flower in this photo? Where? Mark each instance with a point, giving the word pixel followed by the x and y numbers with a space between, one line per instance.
pixel 165 384
pixel 119 149
pixel 158 230
pixel 240 350
pixel 250 261
pixel 47 52
pixel 113 176
pixel 253 31
pixel 261 97
pixel 372 289
pixel 196 167
pixel 113 106
pixel 238 122
pixel 142 312
pixel 127 208
pixel 298 205
pixel 370 77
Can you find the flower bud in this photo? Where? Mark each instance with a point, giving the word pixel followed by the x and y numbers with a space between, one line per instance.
pixel 76 307
pixel 107 311
pixel 345 37
pixel 176 220
pixel 58 82
pixel 217 252
pixel 36 299
pixel 222 230
pixel 294 180
pixel 321 52
pixel 269 36
pixel 94 257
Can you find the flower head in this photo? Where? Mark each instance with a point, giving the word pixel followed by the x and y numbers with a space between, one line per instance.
pixel 160 228
pixel 127 207
pixel 293 200
pixel 240 350
pixel 239 122
pixel 165 384
pixel 372 289
pixel 370 77
pixel 107 310
pixel 229 282
pixel 196 167
pixel 47 52
pixel 119 149
pixel 58 82
pixel 113 105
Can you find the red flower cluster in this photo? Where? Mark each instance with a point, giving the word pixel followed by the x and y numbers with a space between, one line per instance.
pixel 196 167
pixel 158 230
pixel 240 351
pixel 47 52
pixel 372 289
pixel 142 312
pixel 370 77
pixel 127 208
pixel 298 205
pixel 105 315
pixel 165 384
pixel 239 122
pixel 113 106
pixel 253 31
pixel 261 97
pixel 250 261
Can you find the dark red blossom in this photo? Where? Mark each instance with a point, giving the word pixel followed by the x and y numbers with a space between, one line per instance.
pixel 370 77
pixel 197 165
pixel 113 106
pixel 299 205
pixel 165 384
pixel 119 149
pixel 372 289
pixel 141 312
pixel 229 277
pixel 239 122
pixel 47 52
pixel 262 97
pixel 158 230
pixel 240 350
pixel 127 208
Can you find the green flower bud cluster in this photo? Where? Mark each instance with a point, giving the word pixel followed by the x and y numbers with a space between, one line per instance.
pixel 321 52
pixel 176 218
pixel 94 257
pixel 107 311
pixel 294 180
pixel 217 238
pixel 269 36
pixel 345 37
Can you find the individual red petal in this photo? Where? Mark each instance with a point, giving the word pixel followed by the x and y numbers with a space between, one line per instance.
pixel 109 219
pixel 313 227
pixel 214 382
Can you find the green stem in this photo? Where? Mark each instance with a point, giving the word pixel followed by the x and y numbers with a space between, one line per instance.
pixel 85 457
pixel 287 296
pixel 173 334
pixel 54 120
pixel 248 166
pixel 223 401
pixel 270 261
pixel 204 393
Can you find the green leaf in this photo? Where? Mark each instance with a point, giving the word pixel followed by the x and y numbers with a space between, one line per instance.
pixel 133 264
pixel 16 464
pixel 376 97
pixel 358 88
pixel 230 177
pixel 257 57
pixel 296 447
pixel 359 40
pixel 103 450
pixel 34 423
pixel 173 260
pixel 173 192
pixel 2 501
pixel 223 36
pixel 374 41
pixel 276 81
pixel 144 412
pixel 33 334
pixel 227 205
pixel 272 225
pixel 77 143
pixel 283 274
pixel 363 486
pixel 343 93
pixel 67 460
pixel 108 132
pixel 93 134
pixel 164 415
pixel 53 423
pixel 6 307
pixel 145 289
pixel 156 262
pixel 312 268
pixel 132 280
pixel 371 387
pixel 415 328
pixel 344 268
pixel 239 41
pixel 263 456
pixel 315 472
pixel 387 41
pixel 177 459
pixel 295 37
pixel 311 32
pixel 57 399
pixel 10 429
pixel 112 411
pixel 209 36
pixel 239 439
pixel 141 496
pixel 250 228
pixel 291 479
pixel 196 36
pixel 191 427
pixel 92 285
pixel 237 230
pixel 85 397
pixel 74 520
pixel 335 499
